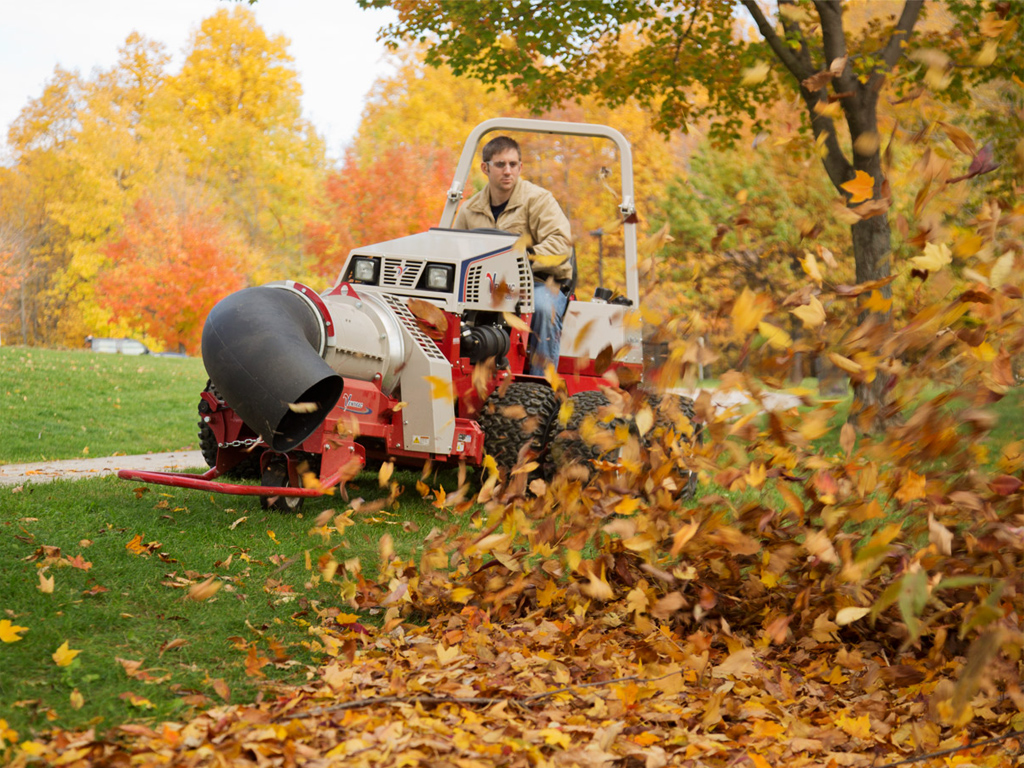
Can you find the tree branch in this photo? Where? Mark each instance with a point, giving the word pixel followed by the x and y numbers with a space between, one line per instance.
pixel 782 51
pixel 908 19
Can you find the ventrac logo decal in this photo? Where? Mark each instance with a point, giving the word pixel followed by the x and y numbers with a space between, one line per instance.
pixel 354 406
pixel 490 280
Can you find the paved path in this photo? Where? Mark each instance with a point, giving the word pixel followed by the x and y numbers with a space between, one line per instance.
pixel 45 471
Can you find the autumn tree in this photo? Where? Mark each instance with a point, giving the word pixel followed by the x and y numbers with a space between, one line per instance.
pixel 174 260
pixel 703 61
pixel 242 131
pixel 393 194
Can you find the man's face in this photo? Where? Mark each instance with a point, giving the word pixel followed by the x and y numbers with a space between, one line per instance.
pixel 502 172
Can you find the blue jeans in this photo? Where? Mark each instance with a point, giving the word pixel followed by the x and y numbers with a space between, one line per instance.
pixel 548 309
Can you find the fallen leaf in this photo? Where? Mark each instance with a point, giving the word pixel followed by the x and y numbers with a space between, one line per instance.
pixel 64 655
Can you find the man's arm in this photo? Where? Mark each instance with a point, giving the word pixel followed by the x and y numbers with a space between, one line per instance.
pixel 550 229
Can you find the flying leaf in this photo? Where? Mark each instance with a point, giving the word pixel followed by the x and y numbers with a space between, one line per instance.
pixel 776 337
pixel 11 633
pixel 811 314
pixel 385 473
pixel 303 407
pixel 935 257
pixel 861 187
pixel 747 312
pixel 850 614
pixel 64 655
pixel 440 389
pixel 205 590
pixel 960 138
pixel 755 74
pixel 429 314
pixel 987 55
pixel 516 322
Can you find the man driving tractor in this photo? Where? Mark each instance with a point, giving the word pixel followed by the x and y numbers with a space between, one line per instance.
pixel 516 205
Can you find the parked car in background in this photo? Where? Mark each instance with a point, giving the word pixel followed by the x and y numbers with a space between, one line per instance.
pixel 116 346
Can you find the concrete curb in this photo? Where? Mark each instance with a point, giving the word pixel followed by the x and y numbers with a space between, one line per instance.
pixel 75 469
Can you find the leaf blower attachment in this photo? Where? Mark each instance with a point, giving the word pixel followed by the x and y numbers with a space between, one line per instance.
pixel 262 350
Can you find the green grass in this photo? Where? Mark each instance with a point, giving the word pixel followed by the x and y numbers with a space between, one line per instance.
pixel 130 606
pixel 71 404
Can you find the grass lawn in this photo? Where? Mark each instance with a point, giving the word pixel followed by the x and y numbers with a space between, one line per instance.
pixel 71 404
pixel 123 561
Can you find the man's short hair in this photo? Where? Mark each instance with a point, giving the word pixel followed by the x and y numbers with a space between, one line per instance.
pixel 497 145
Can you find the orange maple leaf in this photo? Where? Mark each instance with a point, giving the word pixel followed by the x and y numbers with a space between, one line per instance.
pixel 861 187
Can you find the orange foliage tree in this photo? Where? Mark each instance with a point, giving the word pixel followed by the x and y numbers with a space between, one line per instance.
pixel 171 265
pixel 398 192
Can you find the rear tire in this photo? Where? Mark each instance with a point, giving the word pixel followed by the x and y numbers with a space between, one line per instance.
pixel 568 447
pixel 276 476
pixel 521 417
pixel 667 407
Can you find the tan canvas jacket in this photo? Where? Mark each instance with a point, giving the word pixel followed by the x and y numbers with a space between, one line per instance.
pixel 531 209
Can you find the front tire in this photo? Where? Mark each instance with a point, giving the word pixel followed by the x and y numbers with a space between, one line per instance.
pixel 521 417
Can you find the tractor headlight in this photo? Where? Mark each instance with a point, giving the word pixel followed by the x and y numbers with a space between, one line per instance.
pixel 439 277
pixel 364 270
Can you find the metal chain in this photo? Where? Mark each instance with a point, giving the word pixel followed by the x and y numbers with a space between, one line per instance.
pixel 249 443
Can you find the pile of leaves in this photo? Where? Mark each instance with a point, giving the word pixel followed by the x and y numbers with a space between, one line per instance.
pixel 820 602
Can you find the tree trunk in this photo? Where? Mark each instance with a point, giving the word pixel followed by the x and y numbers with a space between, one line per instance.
pixel 872 245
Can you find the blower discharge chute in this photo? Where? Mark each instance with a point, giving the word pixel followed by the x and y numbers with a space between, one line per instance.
pixel 417 353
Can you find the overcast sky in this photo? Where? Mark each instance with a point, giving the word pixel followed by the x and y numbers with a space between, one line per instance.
pixel 333 43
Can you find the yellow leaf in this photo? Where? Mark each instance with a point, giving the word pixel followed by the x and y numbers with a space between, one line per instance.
pixel 204 591
pixel 548 260
pixel 627 506
pixel 755 474
pixel 462 594
pixel 991 25
pixel 833 110
pixel 77 700
pixel 303 407
pixel 861 187
pixel 555 738
pixel 935 257
pixel 516 322
pixel 755 74
pixel 845 363
pixel 45 584
pixel 757 760
pixel 440 389
pixel 811 314
pixel 385 473
pixel 776 337
pixel 810 266
pixel 10 633
pixel 795 13
pixel 877 303
pixel 1001 270
pixel 64 655
pixel 850 614
pixel 447 655
pixel 858 727
pixel 747 312
pixel 987 55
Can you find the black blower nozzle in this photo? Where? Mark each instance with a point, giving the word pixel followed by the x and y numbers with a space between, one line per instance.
pixel 260 348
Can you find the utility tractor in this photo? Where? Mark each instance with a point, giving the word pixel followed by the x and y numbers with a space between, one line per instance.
pixel 417 354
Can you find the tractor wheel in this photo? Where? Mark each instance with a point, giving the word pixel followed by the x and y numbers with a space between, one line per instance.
pixel 276 476
pixel 247 469
pixel 666 409
pixel 522 416
pixel 568 446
